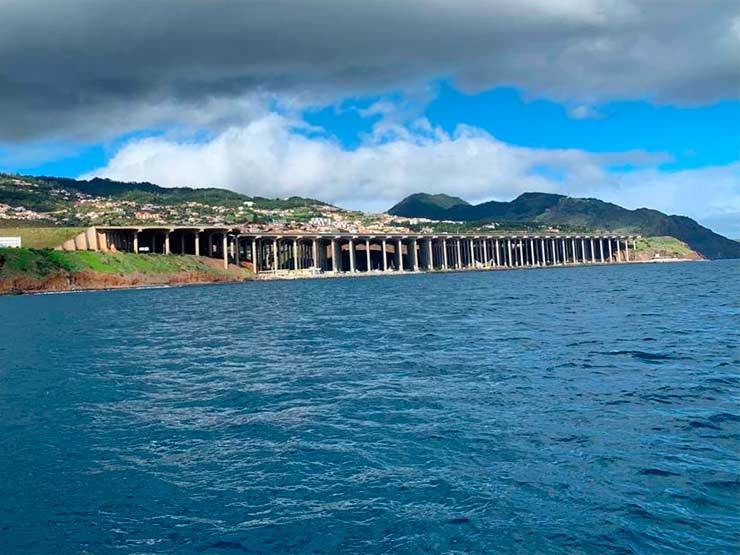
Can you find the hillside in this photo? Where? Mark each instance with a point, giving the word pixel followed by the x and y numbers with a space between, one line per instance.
pixel 559 210
pixel 73 202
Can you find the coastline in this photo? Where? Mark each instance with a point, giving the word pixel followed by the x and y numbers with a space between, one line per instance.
pixel 95 281
pixel 88 281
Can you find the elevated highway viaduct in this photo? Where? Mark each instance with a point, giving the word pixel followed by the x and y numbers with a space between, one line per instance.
pixel 272 253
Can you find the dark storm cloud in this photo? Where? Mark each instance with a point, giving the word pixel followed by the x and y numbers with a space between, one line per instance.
pixel 91 68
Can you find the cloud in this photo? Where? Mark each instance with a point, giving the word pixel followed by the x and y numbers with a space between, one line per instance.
pixel 88 70
pixel 583 111
pixel 273 155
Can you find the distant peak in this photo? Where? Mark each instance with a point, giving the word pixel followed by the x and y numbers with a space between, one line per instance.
pixel 540 196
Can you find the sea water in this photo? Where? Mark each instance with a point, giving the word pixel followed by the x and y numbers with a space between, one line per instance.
pixel 590 409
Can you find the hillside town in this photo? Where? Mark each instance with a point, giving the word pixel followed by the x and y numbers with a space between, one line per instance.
pixel 29 201
pixel 75 208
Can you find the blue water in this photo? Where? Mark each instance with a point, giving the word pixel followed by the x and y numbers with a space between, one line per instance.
pixel 588 410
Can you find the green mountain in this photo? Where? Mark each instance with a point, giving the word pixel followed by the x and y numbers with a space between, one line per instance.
pixel 73 202
pixel 53 193
pixel 146 192
pixel 559 210
pixel 428 206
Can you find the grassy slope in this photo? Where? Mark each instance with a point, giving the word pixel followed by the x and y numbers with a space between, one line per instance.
pixel 41 237
pixel 40 263
pixel 666 247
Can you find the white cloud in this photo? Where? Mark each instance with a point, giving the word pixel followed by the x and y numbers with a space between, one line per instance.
pixel 275 155
pixel 583 111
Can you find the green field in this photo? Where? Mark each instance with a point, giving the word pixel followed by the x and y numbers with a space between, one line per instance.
pixel 41 237
pixel 39 263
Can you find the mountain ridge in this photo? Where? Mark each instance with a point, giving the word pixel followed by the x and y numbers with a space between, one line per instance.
pixel 553 209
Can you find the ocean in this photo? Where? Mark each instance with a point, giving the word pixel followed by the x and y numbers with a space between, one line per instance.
pixel 575 410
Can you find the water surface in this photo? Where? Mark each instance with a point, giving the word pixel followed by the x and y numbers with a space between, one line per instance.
pixel 562 410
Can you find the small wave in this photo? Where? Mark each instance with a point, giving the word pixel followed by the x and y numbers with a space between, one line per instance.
pixel 224 546
pixel 657 472
pixel 642 355
pixel 724 484
pixel 724 417
pixel 697 424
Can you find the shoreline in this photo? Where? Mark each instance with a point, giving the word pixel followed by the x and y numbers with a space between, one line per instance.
pixel 177 280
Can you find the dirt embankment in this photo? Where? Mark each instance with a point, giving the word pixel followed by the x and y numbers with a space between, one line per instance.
pixel 91 280
pixel 45 270
pixel 652 256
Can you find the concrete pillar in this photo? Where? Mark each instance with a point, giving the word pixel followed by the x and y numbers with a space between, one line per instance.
pixel 627 250
pixel 367 254
pixel 543 260
pixel 296 264
pixel 430 255
pixel 136 241
pixel 510 261
pixel 609 245
pixel 225 250
pixel 351 255
pixel 593 252
pixel 458 247
pixel 91 238
pixel 415 255
pixel 167 242
pixel 334 266
pixel 601 249
pixel 534 260
pixel 385 255
pixel 472 253
pixel 583 250
pixel 444 254
pixel 497 255
pixel 553 252
pixel 255 262
pixel 399 254
pixel 485 252
pixel 315 253
pixel 275 259
pixel 619 254
pixel 197 243
pixel 210 245
pixel 521 252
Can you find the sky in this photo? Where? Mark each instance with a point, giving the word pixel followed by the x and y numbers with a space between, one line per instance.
pixel 635 102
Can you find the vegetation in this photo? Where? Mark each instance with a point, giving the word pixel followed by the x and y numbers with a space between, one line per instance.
pixel 665 247
pixel 145 192
pixel 41 237
pixel 40 263
pixel 64 201
pixel 424 205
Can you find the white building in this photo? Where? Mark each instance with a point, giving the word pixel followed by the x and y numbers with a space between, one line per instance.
pixel 10 242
